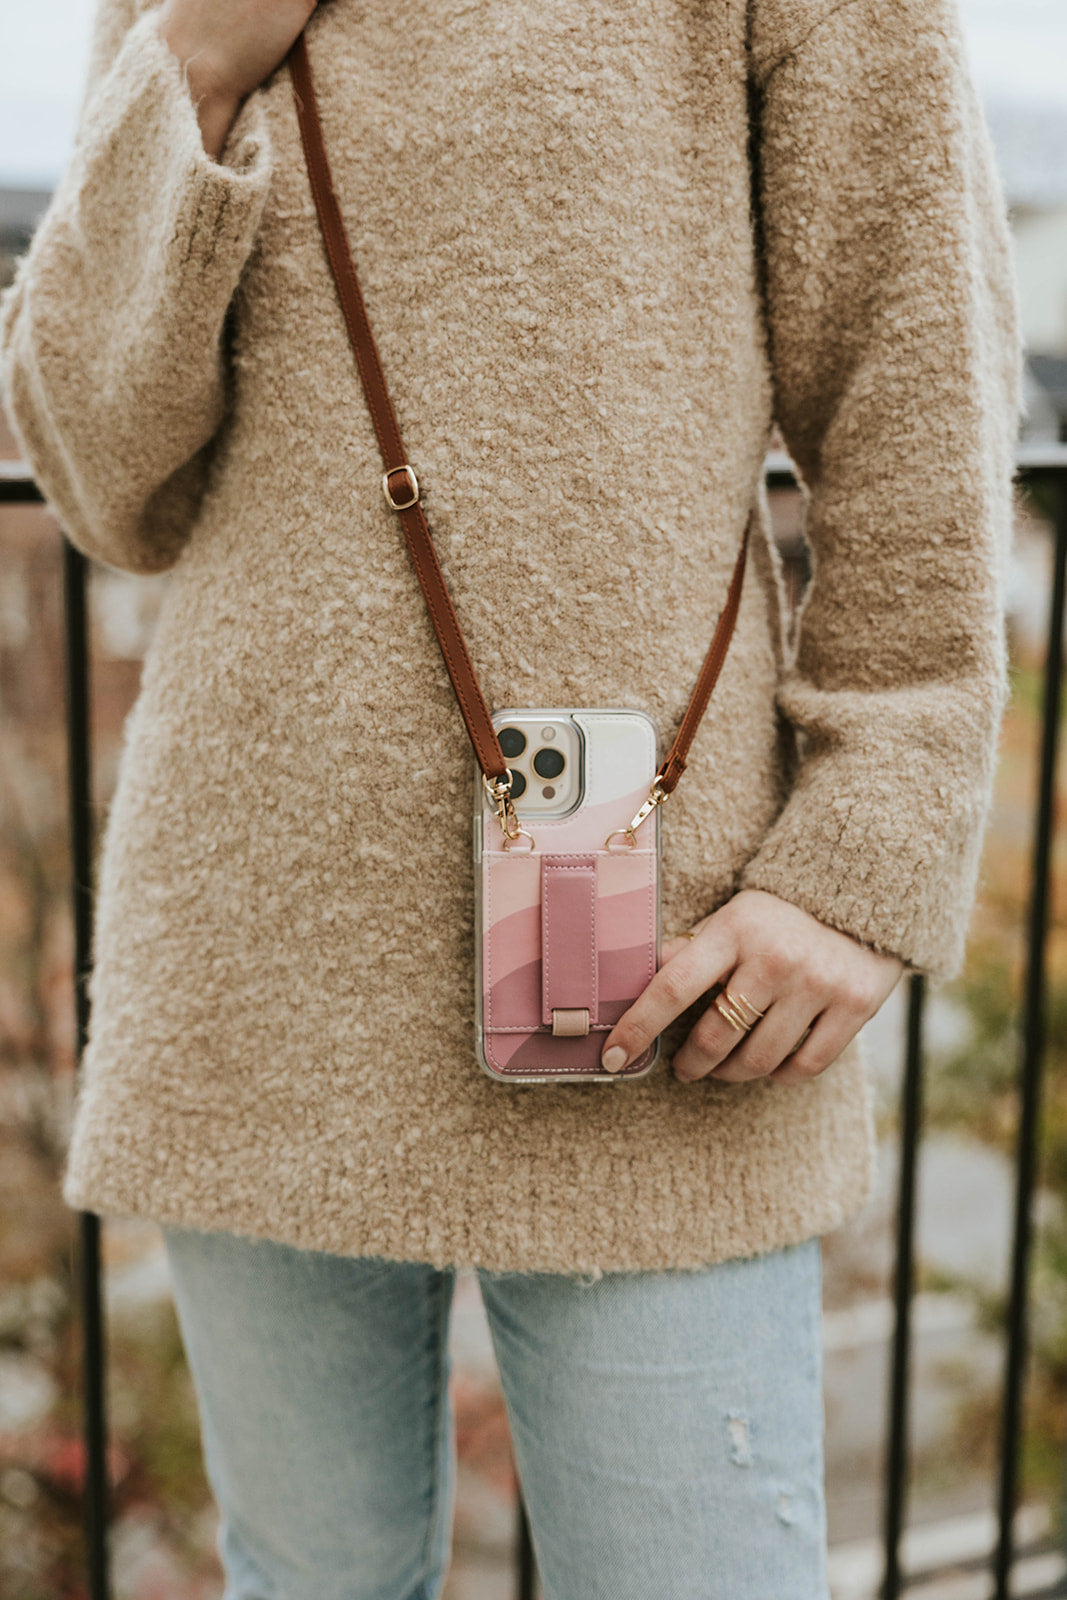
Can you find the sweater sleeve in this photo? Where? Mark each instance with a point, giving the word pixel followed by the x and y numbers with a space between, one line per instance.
pixel 893 339
pixel 112 332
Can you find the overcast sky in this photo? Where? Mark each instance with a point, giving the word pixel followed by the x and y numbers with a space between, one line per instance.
pixel 1018 52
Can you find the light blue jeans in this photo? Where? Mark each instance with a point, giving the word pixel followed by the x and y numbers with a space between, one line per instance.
pixel 667 1426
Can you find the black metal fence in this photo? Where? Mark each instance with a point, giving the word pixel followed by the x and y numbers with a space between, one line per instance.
pixel 1042 469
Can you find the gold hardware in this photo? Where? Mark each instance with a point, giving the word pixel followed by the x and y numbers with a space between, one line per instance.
pixel 743 1005
pixel 401 505
pixel 656 796
pixel 570 1022
pixel 727 1007
pixel 499 792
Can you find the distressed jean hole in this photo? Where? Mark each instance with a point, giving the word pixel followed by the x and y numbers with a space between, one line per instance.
pixel 739 1433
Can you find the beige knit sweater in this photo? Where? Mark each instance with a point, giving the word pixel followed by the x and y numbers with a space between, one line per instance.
pixel 587 326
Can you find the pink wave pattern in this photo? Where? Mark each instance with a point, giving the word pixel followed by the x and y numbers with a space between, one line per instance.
pixel 516 1040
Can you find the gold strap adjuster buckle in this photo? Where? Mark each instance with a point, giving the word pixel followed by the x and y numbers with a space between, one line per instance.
pixel 401 505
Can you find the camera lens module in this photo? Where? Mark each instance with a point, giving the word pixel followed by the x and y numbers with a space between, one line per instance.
pixel 518 784
pixel 549 763
pixel 512 742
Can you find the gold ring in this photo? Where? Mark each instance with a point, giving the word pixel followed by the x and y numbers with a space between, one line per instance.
pixel 743 1004
pixel 725 1006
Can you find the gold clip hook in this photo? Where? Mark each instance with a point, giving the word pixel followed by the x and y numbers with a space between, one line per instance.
pixel 499 792
pixel 656 796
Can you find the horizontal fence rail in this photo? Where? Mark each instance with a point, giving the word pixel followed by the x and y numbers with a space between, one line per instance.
pixel 1038 465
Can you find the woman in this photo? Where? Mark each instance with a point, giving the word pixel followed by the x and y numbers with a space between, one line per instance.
pixel 603 245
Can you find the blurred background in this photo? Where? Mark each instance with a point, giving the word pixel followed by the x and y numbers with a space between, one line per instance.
pixel 163 1517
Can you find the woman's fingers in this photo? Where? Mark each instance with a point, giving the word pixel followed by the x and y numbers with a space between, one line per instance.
pixel 770 1042
pixel 829 1035
pixel 775 959
pixel 695 968
pixel 733 1055
pixel 674 947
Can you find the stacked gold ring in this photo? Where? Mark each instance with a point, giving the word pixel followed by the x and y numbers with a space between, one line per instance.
pixel 738 1011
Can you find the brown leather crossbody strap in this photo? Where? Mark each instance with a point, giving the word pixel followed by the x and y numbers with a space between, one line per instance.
pixel 673 766
pixel 399 482
pixel 401 486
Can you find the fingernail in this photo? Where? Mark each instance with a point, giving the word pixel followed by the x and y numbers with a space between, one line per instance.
pixel 613 1060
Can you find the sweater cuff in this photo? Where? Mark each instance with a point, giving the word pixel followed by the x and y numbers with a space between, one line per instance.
pixel 203 212
pixel 875 839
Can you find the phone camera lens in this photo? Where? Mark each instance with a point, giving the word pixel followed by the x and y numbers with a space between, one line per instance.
pixel 549 763
pixel 512 742
pixel 518 784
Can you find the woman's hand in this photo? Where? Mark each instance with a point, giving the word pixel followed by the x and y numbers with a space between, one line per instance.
pixel 229 47
pixel 779 960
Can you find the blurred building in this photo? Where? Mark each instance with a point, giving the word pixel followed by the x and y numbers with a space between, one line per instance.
pixel 1031 145
pixel 19 210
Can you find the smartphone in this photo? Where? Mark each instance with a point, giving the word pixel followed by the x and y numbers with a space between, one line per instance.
pixel 568 922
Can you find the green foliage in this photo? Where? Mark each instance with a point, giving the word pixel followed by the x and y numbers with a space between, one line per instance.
pixel 974 1089
pixel 153 1398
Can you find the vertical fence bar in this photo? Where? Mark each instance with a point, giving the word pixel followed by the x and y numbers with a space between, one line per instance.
pixel 526 1568
pixel 79 783
pixel 896 1458
pixel 1032 1056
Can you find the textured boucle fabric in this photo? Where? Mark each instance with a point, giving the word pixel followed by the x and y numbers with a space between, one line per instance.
pixel 602 247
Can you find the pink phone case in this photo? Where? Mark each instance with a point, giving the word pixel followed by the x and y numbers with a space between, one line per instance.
pixel 569 930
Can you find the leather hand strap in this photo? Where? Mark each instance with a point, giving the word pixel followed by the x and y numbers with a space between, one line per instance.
pixel 401 487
